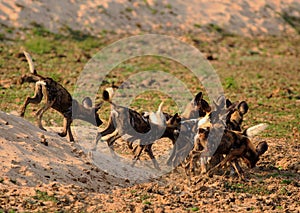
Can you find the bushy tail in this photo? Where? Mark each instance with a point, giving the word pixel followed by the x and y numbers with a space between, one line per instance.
pixel 31 65
pixel 255 130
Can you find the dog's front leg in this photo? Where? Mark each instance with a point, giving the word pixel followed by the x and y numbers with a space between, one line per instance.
pixel 149 151
pixel 238 169
pixel 136 157
pixel 36 99
pixel 98 137
pixel 172 156
pixel 65 127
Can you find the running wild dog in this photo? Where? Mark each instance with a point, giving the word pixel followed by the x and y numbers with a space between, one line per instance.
pixel 134 126
pixel 58 98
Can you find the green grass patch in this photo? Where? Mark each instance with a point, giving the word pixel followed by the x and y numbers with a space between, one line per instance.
pixel 244 77
pixel 147 202
pixel 286 181
pixel 230 82
pixel 39 45
pixel 244 188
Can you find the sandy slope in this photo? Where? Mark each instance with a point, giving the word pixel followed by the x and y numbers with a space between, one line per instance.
pixel 25 161
pixel 167 17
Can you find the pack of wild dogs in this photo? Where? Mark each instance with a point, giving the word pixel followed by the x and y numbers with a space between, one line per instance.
pixel 205 138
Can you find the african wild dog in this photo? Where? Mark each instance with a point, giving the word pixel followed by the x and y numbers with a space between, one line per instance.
pixel 198 107
pixel 233 144
pixel 128 123
pixel 58 98
pixel 189 130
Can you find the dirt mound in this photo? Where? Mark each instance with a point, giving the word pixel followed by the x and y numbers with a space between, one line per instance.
pixel 31 157
pixel 175 17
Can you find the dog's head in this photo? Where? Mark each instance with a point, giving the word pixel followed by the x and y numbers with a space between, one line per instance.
pixel 174 121
pixel 86 111
pixel 200 140
pixel 235 114
pixel 251 157
pixel 198 107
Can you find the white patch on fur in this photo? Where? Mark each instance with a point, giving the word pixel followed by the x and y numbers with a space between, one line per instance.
pixel 203 122
pixel 41 83
pixel 157 118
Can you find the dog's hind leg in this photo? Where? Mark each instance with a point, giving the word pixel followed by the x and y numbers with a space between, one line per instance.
pixel 71 138
pixel 110 142
pixel 36 99
pixel 238 169
pixel 40 113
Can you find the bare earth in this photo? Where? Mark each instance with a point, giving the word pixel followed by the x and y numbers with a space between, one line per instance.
pixel 165 17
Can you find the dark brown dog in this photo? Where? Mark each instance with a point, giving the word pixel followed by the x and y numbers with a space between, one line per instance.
pixel 186 123
pixel 225 113
pixel 134 126
pixel 233 144
pixel 58 98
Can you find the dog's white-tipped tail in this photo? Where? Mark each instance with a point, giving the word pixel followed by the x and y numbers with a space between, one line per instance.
pixel 29 59
pixel 160 107
pixel 255 130
pixel 158 117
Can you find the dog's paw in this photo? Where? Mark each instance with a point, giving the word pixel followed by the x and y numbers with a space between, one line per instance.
pixel 42 128
pixel 62 134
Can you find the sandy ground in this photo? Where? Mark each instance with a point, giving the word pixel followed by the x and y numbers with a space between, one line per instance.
pixel 167 17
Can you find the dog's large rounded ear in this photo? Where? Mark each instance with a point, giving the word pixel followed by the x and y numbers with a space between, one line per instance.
pixel 228 103
pixel 205 106
pixel 108 94
pixel 243 107
pixel 174 120
pixel 261 148
pixel 221 102
pixel 198 98
pixel 87 102
pixel 105 95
